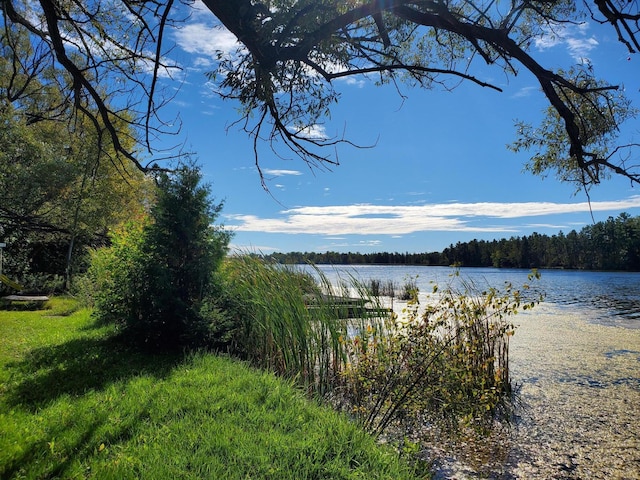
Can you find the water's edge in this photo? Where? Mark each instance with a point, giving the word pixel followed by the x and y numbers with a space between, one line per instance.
pixel 579 384
pixel 576 360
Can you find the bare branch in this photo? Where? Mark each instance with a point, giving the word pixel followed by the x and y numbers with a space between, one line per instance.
pixel 625 22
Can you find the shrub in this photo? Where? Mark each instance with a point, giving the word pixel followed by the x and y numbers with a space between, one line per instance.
pixel 109 284
pixel 375 287
pixel 388 289
pixel 409 289
pixel 444 368
pixel 154 279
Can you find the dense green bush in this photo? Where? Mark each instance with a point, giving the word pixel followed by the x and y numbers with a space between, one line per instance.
pixel 109 285
pixel 155 281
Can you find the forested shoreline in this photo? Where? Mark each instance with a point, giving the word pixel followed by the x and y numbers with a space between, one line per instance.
pixel 610 245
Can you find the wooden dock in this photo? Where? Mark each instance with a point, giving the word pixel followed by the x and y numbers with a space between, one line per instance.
pixel 353 307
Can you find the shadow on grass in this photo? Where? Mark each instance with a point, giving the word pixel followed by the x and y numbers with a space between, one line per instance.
pixel 20 306
pixel 92 362
pixel 37 460
pixel 78 366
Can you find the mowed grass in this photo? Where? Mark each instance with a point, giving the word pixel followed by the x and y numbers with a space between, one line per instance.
pixel 75 403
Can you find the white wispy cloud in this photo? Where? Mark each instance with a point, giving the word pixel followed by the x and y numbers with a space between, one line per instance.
pixel 205 41
pixel 525 92
pixel 579 48
pixel 280 172
pixel 546 225
pixel 106 50
pixel 574 37
pixel 167 68
pixel 368 219
pixel 311 132
pixel 354 81
pixel 257 249
pixel 370 243
pixel 202 63
pixel 344 244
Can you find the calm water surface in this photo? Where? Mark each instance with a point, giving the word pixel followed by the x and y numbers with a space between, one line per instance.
pixel 576 359
pixel 608 298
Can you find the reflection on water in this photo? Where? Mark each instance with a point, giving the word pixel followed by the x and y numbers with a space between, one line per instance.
pixel 576 359
pixel 609 298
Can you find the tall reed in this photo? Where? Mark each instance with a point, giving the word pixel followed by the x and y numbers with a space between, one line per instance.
pixel 443 364
pixel 292 323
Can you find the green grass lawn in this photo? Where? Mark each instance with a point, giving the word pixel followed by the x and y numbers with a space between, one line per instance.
pixel 75 403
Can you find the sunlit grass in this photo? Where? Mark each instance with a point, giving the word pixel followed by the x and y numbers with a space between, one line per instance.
pixel 74 403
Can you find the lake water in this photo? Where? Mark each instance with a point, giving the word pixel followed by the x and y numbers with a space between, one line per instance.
pixel 576 360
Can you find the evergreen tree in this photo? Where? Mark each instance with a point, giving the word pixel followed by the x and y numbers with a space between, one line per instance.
pixel 164 288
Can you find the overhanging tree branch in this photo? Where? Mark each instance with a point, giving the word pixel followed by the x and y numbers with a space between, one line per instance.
pixel 461 27
pixel 293 51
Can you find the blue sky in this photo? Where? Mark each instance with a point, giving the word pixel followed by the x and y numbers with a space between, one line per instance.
pixel 438 170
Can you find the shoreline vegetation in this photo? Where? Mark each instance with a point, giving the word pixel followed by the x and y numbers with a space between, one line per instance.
pixel 169 368
pixel 612 245
pixel 76 403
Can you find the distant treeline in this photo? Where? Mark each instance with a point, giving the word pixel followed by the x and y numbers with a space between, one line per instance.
pixel 610 245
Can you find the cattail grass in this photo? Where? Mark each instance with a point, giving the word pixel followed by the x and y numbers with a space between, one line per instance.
pixel 295 323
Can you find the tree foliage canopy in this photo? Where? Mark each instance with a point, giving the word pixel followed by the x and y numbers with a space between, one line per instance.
pixel 51 156
pixel 290 52
pixel 60 183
